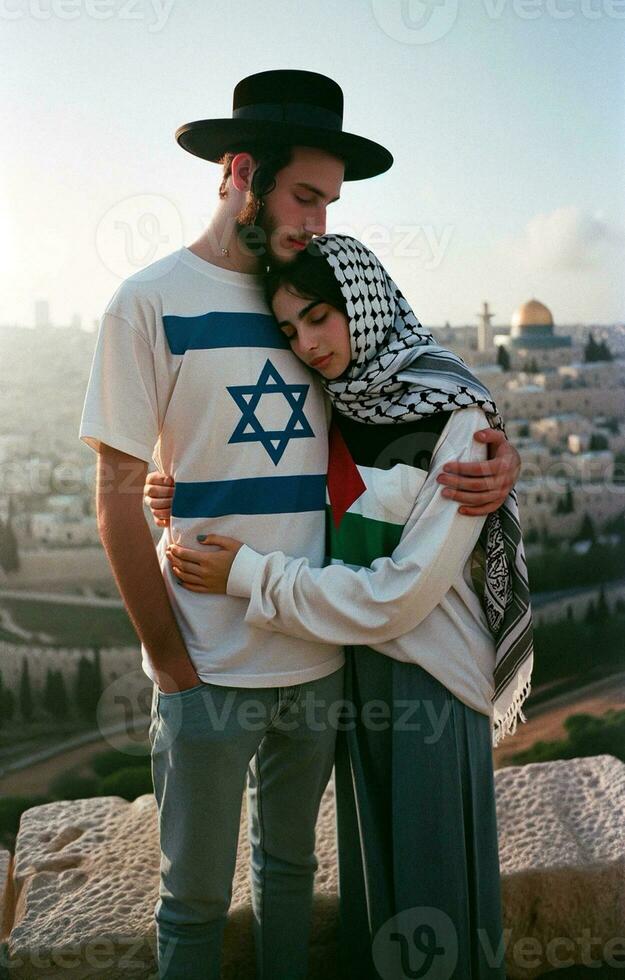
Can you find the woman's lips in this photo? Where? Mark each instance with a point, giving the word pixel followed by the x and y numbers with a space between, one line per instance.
pixel 321 361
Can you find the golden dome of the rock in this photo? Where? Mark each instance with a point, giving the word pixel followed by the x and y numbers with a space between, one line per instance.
pixel 530 314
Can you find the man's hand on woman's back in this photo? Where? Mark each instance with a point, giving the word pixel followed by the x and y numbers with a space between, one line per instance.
pixel 158 494
pixel 482 487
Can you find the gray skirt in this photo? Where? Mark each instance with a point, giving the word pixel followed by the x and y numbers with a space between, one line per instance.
pixel 419 881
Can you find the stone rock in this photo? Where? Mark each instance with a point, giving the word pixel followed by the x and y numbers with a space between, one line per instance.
pixel 86 878
pixel 562 859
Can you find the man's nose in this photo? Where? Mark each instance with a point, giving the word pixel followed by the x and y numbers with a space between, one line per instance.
pixel 316 224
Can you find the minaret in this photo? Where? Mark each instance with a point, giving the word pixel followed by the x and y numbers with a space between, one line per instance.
pixel 484 334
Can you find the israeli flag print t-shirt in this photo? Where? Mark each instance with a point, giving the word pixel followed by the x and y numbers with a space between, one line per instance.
pixel 191 371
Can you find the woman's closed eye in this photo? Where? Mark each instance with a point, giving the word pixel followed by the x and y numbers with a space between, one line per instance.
pixel 291 334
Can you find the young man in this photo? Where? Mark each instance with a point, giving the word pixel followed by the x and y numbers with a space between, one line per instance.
pixel 190 371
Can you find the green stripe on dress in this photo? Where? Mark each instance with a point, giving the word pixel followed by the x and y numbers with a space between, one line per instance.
pixel 360 540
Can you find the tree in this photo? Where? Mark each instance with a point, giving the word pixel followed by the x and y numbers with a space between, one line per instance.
pixel 61 697
pixel 603 352
pixel 48 692
pixel 602 608
pixel 598 442
pixel 88 686
pixel 590 349
pixel 587 530
pixel 531 367
pixel 594 351
pixel 586 735
pixel 26 694
pixel 9 552
pixel 566 504
pixel 503 357
pixel 7 703
pixel 55 695
pixel 97 675
pixel 616 525
pixel 82 686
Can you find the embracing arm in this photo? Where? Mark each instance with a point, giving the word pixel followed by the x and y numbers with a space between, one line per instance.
pixel 341 604
pixel 482 487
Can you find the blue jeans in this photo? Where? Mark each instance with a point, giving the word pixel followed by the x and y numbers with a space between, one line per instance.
pixel 205 741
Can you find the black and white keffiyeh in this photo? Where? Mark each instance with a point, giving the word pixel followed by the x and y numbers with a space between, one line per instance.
pixel 398 373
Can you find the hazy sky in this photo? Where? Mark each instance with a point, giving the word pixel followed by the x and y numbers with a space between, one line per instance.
pixel 506 120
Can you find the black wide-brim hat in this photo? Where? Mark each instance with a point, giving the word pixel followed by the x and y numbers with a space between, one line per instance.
pixel 296 108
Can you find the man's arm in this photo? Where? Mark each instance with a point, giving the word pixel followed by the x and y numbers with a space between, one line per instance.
pixel 130 550
pixel 481 488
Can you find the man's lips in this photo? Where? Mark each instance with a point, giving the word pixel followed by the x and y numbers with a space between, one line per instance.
pixel 321 361
pixel 297 243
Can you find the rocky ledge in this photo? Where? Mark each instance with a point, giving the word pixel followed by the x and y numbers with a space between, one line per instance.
pixel 77 899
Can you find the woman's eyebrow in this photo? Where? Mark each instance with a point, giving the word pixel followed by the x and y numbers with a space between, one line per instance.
pixel 302 313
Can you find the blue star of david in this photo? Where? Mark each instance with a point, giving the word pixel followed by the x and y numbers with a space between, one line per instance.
pixel 250 429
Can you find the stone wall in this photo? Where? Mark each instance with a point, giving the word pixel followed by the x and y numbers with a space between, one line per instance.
pixel 85 878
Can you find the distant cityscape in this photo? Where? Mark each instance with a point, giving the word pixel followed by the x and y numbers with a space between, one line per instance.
pixel 560 389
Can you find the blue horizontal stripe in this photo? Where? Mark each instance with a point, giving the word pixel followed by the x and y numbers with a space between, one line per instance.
pixel 260 495
pixel 211 331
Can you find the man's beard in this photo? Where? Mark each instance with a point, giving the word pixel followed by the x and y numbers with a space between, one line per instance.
pixel 256 239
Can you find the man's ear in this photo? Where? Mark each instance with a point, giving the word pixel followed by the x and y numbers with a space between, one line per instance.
pixel 242 171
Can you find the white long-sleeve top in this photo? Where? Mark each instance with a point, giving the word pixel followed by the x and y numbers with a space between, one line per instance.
pixel 417 604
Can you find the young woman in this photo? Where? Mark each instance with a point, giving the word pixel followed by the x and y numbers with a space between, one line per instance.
pixel 432 605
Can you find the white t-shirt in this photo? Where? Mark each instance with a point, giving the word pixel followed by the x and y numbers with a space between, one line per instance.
pixel 190 370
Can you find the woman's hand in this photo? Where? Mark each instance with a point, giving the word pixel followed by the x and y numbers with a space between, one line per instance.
pixel 158 494
pixel 204 571
pixel 483 486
